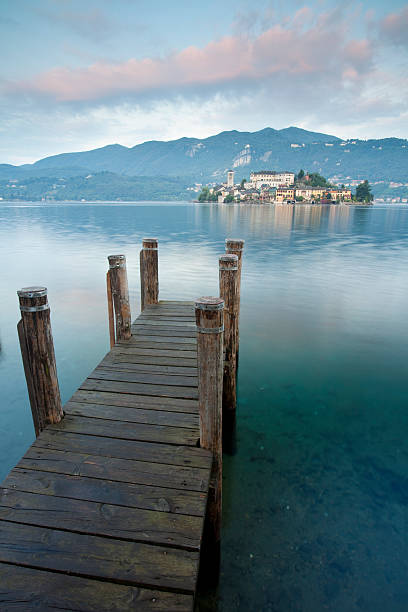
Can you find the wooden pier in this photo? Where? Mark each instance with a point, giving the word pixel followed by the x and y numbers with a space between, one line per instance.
pixel 106 509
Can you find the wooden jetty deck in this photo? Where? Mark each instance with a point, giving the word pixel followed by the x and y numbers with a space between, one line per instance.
pixel 105 511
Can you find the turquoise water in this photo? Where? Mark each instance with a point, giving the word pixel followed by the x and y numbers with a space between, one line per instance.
pixel 316 480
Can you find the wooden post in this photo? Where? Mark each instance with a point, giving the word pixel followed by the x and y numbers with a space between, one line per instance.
pixel 111 317
pixel 228 268
pixel 236 247
pixel 210 326
pixel 149 272
pixel 120 294
pixel 37 349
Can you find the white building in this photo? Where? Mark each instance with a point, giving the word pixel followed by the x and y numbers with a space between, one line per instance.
pixel 271 178
pixel 230 178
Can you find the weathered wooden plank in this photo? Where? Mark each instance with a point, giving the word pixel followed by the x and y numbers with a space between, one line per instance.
pixel 159 338
pixel 170 314
pixel 109 520
pixel 150 344
pixel 136 401
pixel 161 499
pixel 120 470
pixel 92 384
pixel 147 368
pixel 187 322
pixel 147 360
pixel 143 377
pixel 187 303
pixel 165 330
pixel 156 351
pixel 92 556
pixel 133 415
pixel 122 430
pixel 125 449
pixel 23 589
pixel 155 322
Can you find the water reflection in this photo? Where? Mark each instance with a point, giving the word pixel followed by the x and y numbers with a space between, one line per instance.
pixel 315 490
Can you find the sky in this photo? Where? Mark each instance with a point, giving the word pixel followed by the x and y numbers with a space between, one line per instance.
pixel 77 75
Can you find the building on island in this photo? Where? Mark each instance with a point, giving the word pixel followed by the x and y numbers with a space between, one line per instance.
pixel 271 186
pixel 271 179
pixel 320 193
pixel 230 178
pixel 284 194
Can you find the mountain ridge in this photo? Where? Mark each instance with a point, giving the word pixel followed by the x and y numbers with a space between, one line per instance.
pixel 207 160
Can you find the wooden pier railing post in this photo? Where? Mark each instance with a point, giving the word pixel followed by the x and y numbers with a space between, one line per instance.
pixel 149 272
pixel 37 349
pixel 228 270
pixel 236 247
pixel 210 326
pixel 120 295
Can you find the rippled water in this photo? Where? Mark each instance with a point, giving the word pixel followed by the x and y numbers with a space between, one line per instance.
pixel 316 484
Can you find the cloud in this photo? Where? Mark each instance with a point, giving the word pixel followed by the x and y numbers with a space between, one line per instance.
pixel 92 24
pixel 322 51
pixel 394 27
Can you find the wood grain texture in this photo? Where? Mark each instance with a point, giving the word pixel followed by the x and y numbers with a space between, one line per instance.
pixel 120 295
pixel 122 430
pixel 136 401
pixel 39 356
pixel 236 247
pixel 164 330
pixel 228 278
pixel 161 499
pixel 120 470
pixel 149 368
pixel 111 314
pixel 149 273
pixel 92 384
pixel 166 454
pixel 209 318
pixel 104 558
pixel 26 589
pixel 143 377
pixel 109 520
pixel 158 350
pixel 133 415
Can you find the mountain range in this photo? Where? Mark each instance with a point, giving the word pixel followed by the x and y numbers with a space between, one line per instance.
pixel 193 160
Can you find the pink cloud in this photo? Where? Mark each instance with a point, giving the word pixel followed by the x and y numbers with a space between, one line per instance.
pixel 320 51
pixel 395 26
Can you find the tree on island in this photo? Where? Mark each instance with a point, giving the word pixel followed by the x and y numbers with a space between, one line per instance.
pixel 299 177
pixel 229 198
pixel 312 179
pixel 243 183
pixel 206 196
pixel 363 192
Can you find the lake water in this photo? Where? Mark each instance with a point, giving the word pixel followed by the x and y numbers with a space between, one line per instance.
pixel 316 482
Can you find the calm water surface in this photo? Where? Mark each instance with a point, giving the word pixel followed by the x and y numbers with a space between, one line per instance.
pixel 316 482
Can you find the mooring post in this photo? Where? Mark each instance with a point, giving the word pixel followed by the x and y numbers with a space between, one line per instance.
pixel 37 349
pixel 209 312
pixel 120 295
pixel 236 247
pixel 149 272
pixel 228 274
pixel 111 317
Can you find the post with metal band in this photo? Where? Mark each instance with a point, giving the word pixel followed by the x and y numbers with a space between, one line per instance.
pixel 120 297
pixel 209 313
pixel 37 349
pixel 236 247
pixel 149 272
pixel 228 271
